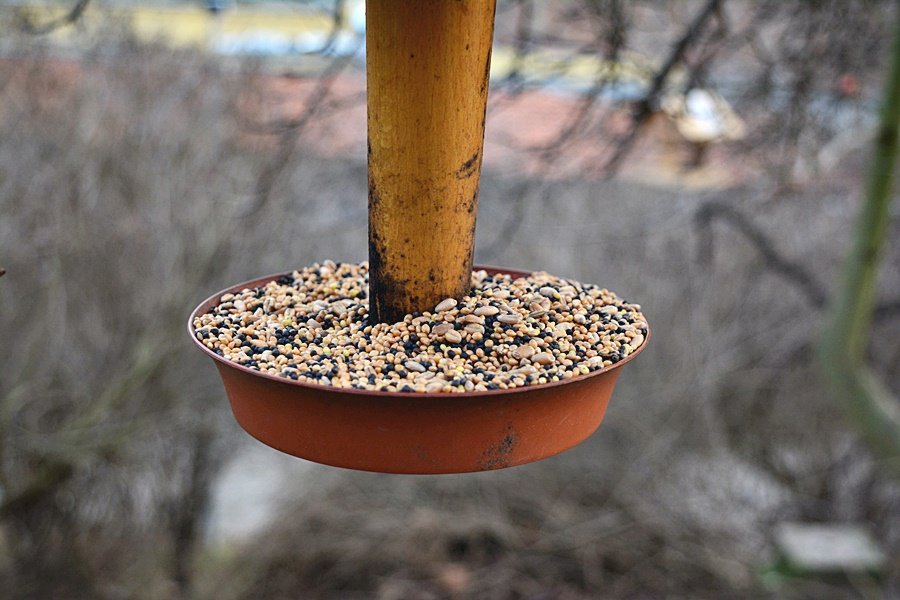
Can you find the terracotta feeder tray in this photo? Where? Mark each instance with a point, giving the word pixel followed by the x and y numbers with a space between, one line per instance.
pixel 413 432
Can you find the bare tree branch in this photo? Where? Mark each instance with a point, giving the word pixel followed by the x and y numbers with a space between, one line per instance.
pixel 789 270
pixel 47 478
pixel 615 38
pixel 521 44
pixel 292 129
pixel 26 26
pixel 865 397
pixel 647 104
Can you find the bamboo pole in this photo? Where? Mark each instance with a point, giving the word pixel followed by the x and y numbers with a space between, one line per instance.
pixel 427 68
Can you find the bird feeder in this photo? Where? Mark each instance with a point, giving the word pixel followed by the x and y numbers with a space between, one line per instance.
pixel 428 65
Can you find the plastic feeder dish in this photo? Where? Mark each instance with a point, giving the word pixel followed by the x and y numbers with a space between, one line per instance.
pixel 420 433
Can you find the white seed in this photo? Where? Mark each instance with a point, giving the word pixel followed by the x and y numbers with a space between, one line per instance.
pixel 453 336
pixel 549 292
pixel 637 340
pixel 486 311
pixel 474 328
pixel 473 319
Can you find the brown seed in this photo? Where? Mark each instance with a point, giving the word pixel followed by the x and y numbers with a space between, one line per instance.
pixel 474 328
pixel 473 319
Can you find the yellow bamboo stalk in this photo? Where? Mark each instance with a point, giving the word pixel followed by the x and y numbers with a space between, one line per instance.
pixel 428 63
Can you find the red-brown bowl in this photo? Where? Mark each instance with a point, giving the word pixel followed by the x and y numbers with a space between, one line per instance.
pixel 422 433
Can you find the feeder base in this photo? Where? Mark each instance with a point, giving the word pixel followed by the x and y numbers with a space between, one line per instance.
pixel 414 433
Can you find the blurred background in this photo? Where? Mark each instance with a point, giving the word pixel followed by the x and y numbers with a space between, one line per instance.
pixel 705 158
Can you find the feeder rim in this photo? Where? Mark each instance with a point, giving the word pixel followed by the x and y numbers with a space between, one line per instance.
pixel 453 396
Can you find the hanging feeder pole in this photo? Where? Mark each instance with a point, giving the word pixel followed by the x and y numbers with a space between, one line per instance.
pixel 427 68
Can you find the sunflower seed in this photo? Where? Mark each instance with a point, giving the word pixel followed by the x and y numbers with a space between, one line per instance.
pixel 453 336
pixel 445 305
pixel 414 365
pixel 524 351
pixel 441 328
pixel 542 358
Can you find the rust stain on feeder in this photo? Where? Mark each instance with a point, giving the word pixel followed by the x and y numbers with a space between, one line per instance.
pixel 393 432
pixel 498 455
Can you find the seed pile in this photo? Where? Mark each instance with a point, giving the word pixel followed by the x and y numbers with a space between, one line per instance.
pixel 312 326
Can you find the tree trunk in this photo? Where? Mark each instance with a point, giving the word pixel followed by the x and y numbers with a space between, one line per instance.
pixel 428 64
